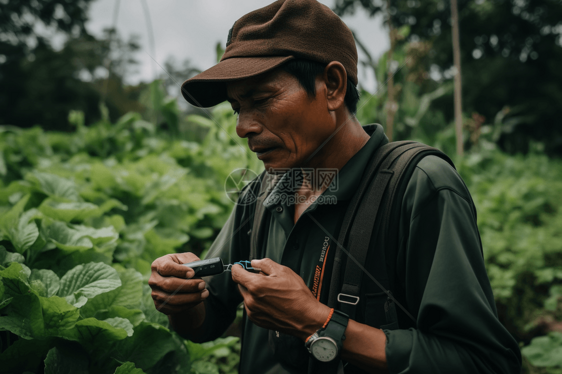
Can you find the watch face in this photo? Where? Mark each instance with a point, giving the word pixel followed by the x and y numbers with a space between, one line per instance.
pixel 324 349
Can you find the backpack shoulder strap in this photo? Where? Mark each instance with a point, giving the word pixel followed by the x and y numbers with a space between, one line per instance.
pixel 381 154
pixel 382 180
pixel 362 229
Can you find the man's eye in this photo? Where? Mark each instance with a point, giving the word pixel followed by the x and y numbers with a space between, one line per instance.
pixel 261 101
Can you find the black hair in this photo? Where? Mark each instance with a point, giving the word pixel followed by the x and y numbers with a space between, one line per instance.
pixel 306 72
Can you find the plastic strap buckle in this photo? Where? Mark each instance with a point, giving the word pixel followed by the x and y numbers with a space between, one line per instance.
pixel 355 299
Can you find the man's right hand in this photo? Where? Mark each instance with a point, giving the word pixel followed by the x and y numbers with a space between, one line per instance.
pixel 173 290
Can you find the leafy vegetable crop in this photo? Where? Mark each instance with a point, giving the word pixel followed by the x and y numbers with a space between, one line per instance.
pixel 82 216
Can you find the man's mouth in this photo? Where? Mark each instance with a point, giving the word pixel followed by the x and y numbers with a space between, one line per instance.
pixel 262 152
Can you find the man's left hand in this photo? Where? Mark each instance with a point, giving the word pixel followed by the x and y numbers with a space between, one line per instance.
pixel 278 299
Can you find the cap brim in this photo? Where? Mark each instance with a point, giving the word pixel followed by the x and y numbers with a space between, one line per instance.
pixel 208 88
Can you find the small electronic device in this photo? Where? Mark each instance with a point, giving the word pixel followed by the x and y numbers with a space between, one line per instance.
pixel 214 266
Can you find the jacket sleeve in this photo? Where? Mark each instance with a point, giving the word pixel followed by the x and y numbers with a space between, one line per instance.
pixel 446 284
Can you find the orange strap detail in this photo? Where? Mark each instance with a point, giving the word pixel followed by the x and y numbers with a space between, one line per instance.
pixel 325 323
pixel 329 318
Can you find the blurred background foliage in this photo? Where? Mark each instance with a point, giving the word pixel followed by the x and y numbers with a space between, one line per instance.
pixel 153 171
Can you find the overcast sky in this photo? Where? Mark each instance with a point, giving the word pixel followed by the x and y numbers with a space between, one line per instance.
pixel 191 28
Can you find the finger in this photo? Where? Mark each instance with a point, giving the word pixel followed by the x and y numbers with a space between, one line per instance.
pixel 176 285
pixel 169 268
pixel 266 265
pixel 162 298
pixel 240 275
pixel 171 265
pixel 173 309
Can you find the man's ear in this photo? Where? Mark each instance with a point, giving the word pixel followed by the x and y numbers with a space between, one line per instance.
pixel 335 78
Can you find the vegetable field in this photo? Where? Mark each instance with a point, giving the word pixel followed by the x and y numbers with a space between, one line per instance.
pixel 83 215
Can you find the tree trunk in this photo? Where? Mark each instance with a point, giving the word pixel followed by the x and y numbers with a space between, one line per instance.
pixel 458 80
pixel 391 105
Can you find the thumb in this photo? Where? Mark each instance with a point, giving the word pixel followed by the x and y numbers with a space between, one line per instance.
pixel 240 275
pixel 266 265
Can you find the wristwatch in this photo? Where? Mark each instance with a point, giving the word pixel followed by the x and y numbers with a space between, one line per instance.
pixel 326 343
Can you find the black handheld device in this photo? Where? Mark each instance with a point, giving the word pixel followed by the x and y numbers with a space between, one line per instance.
pixel 203 268
pixel 214 266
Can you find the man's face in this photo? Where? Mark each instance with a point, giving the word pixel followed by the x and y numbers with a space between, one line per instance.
pixel 284 126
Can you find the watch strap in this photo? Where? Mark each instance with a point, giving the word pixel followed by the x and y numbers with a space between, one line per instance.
pixel 340 318
pixel 336 328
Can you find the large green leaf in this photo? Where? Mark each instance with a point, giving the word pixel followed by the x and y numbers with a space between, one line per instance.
pixel 24 317
pixel 158 187
pixel 30 315
pixel 102 177
pixel 69 211
pixel 146 347
pixel 135 316
pixel 87 281
pixel 15 279
pixel 14 191
pixel 92 332
pixel 16 227
pixel 53 185
pixel 204 367
pixel 162 240
pixel 61 362
pixel 8 257
pixel 48 278
pixel 97 236
pixel 149 310
pixel 61 261
pixel 42 244
pixel 107 205
pixel 76 211
pixel 128 295
pixel 67 238
pixel 58 315
pixel 4 303
pixel 198 351
pixel 545 351
pixel 128 368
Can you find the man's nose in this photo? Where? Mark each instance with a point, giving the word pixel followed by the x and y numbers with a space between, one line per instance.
pixel 245 125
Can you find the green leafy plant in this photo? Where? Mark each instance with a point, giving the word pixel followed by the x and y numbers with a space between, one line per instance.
pixel 83 215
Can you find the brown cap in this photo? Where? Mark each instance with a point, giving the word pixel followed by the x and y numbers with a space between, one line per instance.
pixel 268 37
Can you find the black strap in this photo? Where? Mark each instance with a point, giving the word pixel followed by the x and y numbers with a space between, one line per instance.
pixel 362 229
pixel 395 158
pixel 380 155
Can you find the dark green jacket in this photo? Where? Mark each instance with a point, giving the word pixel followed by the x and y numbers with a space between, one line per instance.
pixel 439 260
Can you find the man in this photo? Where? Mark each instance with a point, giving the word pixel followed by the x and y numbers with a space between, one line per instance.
pixel 290 72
